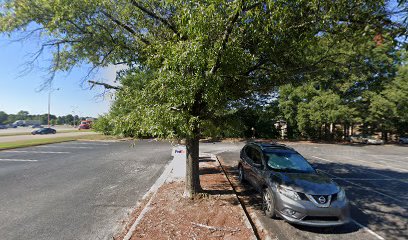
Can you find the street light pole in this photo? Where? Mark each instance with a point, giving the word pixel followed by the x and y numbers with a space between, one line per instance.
pixel 49 103
pixel 73 113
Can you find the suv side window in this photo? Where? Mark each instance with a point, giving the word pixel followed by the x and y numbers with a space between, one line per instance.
pixel 248 152
pixel 256 156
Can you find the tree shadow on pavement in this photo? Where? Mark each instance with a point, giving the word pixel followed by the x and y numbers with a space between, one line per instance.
pixel 206 159
pixel 379 197
pixel 209 170
pixel 213 181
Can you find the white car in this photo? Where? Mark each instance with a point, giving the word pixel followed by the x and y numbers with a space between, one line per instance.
pixel 403 140
pixel 374 140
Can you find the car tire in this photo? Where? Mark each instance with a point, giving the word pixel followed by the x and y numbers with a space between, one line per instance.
pixel 268 203
pixel 241 174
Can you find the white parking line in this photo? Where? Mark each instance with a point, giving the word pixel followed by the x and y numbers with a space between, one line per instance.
pixel 367 171
pixel 367 229
pixel 17 160
pixel 365 188
pixel 49 146
pixel 367 179
pixel 21 151
pixel 384 165
pixel 354 221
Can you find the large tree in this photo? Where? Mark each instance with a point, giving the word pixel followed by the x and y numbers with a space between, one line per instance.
pixel 190 62
pixel 3 117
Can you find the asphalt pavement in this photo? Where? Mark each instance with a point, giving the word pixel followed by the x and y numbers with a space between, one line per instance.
pixel 75 190
pixel 376 183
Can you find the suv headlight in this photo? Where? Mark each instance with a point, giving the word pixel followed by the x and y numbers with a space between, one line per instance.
pixel 288 193
pixel 341 195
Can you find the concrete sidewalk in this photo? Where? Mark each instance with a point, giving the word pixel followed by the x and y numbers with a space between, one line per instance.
pixel 214 214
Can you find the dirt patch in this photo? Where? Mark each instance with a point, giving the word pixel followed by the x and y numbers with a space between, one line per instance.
pixel 215 214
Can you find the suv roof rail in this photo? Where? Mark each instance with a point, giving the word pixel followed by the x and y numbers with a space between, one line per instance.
pixel 270 144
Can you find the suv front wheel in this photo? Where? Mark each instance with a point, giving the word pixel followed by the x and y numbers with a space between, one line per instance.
pixel 241 174
pixel 268 203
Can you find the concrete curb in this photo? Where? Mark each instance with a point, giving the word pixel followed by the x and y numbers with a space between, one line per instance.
pixel 152 192
pixel 248 219
pixel 252 216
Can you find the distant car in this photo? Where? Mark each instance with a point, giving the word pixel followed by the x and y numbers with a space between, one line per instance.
pixel 3 126
pixel 37 126
pixel 366 139
pixel 291 188
pixel 84 126
pixel 403 140
pixel 44 131
pixel 358 138
pixel 374 140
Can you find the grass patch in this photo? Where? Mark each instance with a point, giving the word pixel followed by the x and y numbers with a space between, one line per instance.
pixel 14 134
pixel 36 142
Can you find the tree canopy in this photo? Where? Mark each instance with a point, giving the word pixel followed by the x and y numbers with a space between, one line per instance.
pixel 190 63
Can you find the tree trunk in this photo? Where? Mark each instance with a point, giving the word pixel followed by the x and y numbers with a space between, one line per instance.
pixel 192 167
pixel 345 131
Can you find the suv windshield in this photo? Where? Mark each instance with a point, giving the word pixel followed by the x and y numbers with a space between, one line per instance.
pixel 287 161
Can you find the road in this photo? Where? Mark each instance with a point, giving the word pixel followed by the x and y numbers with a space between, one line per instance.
pixel 376 183
pixel 28 130
pixel 4 139
pixel 75 190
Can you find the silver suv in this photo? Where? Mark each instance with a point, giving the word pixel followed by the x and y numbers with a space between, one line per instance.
pixel 291 188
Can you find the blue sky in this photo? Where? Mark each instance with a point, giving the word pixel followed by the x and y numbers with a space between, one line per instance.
pixel 20 91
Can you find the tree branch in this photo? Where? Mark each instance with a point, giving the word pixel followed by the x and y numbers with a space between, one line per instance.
pixel 226 35
pixel 107 86
pixel 126 27
pixel 157 17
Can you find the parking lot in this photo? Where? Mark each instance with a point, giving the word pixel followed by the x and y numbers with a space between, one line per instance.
pixel 376 183
pixel 75 190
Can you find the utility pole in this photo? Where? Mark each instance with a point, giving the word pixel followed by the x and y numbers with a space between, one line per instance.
pixel 73 113
pixel 49 103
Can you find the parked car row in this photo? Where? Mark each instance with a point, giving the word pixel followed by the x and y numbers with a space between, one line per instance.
pixel 373 139
pixel 5 126
pixel 366 139
pixel 403 140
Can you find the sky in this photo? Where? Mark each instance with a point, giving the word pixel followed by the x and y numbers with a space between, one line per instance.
pixel 19 89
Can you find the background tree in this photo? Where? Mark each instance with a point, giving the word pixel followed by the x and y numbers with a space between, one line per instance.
pixel 190 63
pixel 3 117
pixel 23 115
